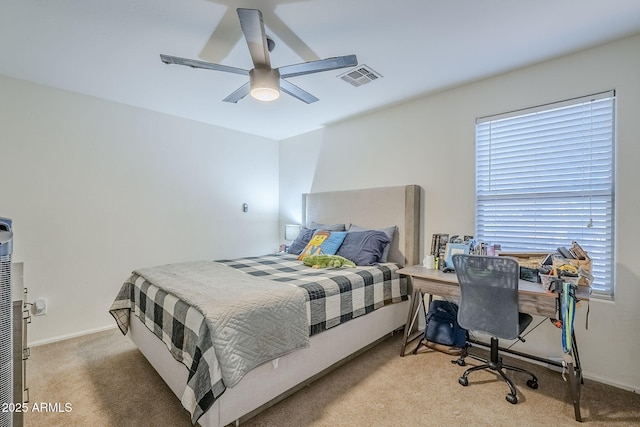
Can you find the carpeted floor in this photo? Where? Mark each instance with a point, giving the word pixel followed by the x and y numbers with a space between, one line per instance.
pixel 105 381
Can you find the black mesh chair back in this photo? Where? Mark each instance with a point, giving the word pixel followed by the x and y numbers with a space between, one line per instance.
pixel 489 294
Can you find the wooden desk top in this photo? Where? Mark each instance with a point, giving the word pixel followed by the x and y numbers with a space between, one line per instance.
pixel 533 298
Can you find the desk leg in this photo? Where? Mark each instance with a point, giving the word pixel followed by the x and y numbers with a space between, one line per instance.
pixel 424 312
pixel 575 377
pixel 576 356
pixel 413 309
pixel 574 382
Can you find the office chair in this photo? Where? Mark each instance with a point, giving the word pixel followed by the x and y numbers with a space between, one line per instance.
pixel 489 304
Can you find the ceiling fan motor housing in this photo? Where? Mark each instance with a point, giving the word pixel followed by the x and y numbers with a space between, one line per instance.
pixel 265 83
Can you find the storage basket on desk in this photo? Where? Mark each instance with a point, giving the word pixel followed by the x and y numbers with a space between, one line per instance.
pixel 584 264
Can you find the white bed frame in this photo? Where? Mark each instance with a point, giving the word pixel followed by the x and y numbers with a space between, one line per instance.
pixel 273 381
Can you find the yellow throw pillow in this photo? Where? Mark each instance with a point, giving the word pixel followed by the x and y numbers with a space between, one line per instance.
pixel 323 242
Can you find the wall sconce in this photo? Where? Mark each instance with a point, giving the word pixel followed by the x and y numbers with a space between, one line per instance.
pixel 291 231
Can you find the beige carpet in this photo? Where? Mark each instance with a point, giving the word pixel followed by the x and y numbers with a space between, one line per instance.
pixel 109 383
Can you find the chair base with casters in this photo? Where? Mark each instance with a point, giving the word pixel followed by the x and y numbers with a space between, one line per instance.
pixel 495 364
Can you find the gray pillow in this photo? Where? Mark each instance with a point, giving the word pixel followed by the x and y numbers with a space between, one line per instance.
pixel 300 242
pixel 389 231
pixel 363 247
pixel 331 227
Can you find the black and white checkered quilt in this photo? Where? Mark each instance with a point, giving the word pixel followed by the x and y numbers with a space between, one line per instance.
pixel 183 330
pixel 334 296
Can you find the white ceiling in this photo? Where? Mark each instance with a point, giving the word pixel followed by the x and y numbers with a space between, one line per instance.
pixel 110 49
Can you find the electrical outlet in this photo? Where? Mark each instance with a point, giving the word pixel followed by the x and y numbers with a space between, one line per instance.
pixel 40 307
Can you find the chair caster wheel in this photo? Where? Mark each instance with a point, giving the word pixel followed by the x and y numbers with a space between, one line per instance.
pixel 512 398
pixel 463 381
pixel 532 384
pixel 459 362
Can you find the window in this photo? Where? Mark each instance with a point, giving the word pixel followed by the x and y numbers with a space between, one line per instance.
pixel 545 177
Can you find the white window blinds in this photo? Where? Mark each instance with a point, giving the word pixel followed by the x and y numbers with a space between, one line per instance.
pixel 545 177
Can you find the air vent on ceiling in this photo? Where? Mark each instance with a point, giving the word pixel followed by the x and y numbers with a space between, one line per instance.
pixel 361 75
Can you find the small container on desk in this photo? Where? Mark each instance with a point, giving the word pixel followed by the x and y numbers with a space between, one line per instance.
pixel 530 263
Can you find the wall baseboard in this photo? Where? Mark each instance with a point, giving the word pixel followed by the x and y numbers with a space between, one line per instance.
pixel 69 336
pixel 607 381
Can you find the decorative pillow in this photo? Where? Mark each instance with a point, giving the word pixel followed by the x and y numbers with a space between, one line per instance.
pixel 364 247
pixel 301 240
pixel 389 231
pixel 331 227
pixel 323 242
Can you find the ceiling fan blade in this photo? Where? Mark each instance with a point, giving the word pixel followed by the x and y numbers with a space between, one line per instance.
pixel 253 28
pixel 193 63
pixel 296 92
pixel 238 94
pixel 318 66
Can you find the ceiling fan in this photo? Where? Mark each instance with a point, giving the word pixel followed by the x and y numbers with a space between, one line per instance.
pixel 265 82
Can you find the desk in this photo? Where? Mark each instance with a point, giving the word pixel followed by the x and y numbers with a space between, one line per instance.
pixel 532 299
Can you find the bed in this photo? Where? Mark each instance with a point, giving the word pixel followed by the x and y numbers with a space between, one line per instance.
pixel 295 360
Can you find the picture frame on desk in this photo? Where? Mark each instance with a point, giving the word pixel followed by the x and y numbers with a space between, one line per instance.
pixel 438 244
pixel 455 248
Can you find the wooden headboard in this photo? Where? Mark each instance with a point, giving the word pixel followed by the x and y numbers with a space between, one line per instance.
pixel 373 208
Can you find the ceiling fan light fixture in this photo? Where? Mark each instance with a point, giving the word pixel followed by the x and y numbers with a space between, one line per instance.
pixel 265 84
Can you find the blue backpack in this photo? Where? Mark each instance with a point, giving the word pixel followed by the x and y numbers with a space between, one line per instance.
pixel 442 324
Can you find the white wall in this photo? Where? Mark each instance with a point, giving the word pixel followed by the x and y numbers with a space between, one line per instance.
pixel 430 142
pixel 97 189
